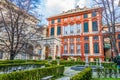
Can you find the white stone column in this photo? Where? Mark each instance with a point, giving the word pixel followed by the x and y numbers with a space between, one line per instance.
pixel 43 53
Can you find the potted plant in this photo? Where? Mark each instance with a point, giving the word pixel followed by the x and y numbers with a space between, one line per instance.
pixel 58 60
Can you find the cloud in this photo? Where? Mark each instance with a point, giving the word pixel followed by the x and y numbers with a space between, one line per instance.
pixel 54 7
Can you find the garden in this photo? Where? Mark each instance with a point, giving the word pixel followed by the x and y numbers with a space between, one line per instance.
pixel 58 69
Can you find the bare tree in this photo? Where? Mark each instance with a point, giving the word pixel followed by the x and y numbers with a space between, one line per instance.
pixel 111 15
pixel 16 25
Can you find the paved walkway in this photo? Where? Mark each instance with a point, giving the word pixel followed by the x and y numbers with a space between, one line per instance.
pixel 68 73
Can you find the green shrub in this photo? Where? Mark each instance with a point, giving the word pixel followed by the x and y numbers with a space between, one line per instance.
pixel 35 74
pixel 86 74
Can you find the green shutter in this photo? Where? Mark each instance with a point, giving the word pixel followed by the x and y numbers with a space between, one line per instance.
pixel 86 27
pixel 52 31
pixel 58 30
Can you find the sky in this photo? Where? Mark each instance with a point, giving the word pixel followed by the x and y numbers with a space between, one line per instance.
pixel 49 8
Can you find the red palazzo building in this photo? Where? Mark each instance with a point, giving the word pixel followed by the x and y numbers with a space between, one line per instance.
pixel 79 31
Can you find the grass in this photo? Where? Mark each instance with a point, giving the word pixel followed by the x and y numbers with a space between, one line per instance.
pixel 105 79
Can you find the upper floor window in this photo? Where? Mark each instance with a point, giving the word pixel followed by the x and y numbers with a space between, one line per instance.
pixel 85 15
pixel 71 29
pixel 65 48
pixel 78 48
pixel 78 39
pixel 96 47
pixel 65 40
pixel 71 39
pixel 79 28
pixel 59 20
pixel 94 14
pixel 86 38
pixel 118 36
pixel 86 48
pixel 52 31
pixel 86 27
pixel 58 30
pixel 94 26
pixel 71 48
pixel 52 21
pixel 95 37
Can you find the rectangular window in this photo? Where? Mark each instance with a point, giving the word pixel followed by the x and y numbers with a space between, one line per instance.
pixel 95 37
pixel 96 47
pixel 39 51
pixel 52 21
pixel 78 48
pixel 52 31
pixel 86 38
pixel 79 28
pixel 85 15
pixel 59 20
pixel 118 36
pixel 58 30
pixel 71 48
pixel 94 26
pixel 65 40
pixel 78 39
pixel 71 29
pixel 65 49
pixel 86 48
pixel 86 27
pixel 94 14
pixel 71 40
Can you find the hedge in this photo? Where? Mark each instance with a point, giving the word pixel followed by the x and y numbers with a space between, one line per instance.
pixel 20 61
pixel 34 74
pixel 86 74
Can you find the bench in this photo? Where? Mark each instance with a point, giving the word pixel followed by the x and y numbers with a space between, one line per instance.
pixel 46 78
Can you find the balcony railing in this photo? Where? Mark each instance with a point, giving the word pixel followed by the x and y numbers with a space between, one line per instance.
pixel 66 54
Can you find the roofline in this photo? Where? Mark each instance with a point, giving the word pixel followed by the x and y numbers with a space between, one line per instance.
pixel 64 15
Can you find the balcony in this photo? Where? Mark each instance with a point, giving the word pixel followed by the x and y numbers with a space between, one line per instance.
pixel 66 54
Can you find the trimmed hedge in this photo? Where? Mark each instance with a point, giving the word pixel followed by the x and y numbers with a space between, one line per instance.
pixel 86 74
pixel 20 61
pixel 35 74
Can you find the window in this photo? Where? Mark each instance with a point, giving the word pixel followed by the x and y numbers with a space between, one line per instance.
pixel 96 47
pixel 71 40
pixel 59 20
pixel 94 26
pixel 86 48
pixel 65 48
pixel 52 31
pixel 86 27
pixel 78 48
pixel 71 48
pixel 79 28
pixel 71 29
pixel 52 21
pixel 85 15
pixel 39 51
pixel 95 37
pixel 1 55
pixel 65 40
pixel 94 14
pixel 118 36
pixel 58 30
pixel 86 38
pixel 78 39
pixel 78 17
pixel 65 19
